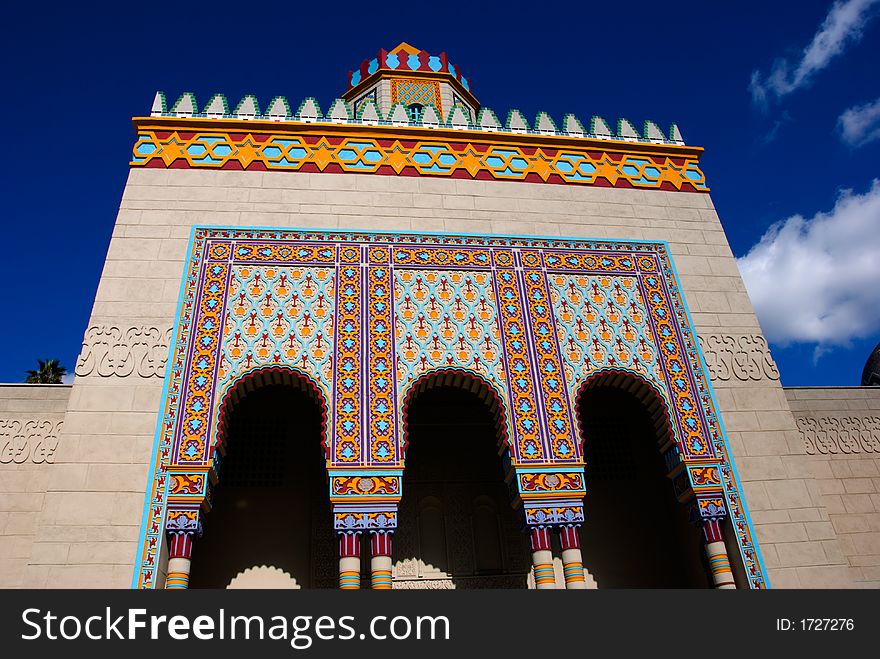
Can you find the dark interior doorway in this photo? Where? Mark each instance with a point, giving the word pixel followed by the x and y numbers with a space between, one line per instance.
pixel 456 522
pixel 635 535
pixel 271 503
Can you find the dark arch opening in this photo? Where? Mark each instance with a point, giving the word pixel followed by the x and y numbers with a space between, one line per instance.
pixel 270 505
pixel 635 534
pixel 456 522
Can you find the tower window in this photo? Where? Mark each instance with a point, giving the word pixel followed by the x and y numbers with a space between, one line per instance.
pixel 369 96
pixel 415 111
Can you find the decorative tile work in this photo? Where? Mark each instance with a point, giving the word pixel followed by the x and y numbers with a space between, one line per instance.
pixel 446 319
pixel 390 308
pixel 556 407
pixel 522 388
pixel 552 483
pixel 278 316
pixel 364 518
pixel 602 322
pixel 381 369
pixel 364 487
pixel 405 151
pixel 423 92
pixel 346 413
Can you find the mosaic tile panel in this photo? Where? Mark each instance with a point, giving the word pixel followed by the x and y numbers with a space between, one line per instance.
pixel 361 316
pixel 163 143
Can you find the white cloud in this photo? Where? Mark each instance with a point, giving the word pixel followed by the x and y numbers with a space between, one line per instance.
pixel 860 124
pixel 817 280
pixel 67 378
pixel 843 24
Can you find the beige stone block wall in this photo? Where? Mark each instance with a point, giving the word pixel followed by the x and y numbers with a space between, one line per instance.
pixel 839 428
pixel 113 410
pixel 31 417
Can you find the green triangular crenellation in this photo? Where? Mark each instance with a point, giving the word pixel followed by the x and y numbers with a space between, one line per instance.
pixel 398 114
pixel 487 120
pixel 458 117
pixel 544 123
pixel 248 107
pixel 185 104
pixel 516 122
pixel 160 105
pixel 369 112
pixel 572 125
pixel 309 110
pixel 279 107
pixel 217 106
pixel 338 111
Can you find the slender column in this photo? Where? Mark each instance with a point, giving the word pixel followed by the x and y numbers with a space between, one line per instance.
pixel 380 561
pixel 180 545
pixel 572 561
pixel 350 560
pixel 719 562
pixel 542 558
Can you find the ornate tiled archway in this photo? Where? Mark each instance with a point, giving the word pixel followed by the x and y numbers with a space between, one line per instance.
pixel 364 315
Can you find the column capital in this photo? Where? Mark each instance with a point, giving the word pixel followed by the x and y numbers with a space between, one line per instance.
pixel 539 536
pixel 569 537
pixel 183 524
pixel 184 521
pixel 552 513
pixel 711 508
pixel 349 543
pixel 365 517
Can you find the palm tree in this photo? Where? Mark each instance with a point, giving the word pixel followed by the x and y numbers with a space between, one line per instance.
pixel 50 372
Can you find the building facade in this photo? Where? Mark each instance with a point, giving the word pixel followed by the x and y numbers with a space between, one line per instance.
pixel 401 344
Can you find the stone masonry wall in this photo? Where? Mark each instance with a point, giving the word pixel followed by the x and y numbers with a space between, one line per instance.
pixel 88 528
pixel 840 430
pixel 31 417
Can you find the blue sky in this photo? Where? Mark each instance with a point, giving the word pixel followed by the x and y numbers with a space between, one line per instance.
pixel 786 103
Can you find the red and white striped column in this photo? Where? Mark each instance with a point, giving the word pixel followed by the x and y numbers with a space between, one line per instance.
pixel 572 560
pixel 350 560
pixel 380 560
pixel 719 562
pixel 542 558
pixel 180 544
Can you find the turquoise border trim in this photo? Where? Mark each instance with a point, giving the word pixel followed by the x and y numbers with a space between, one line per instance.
pixel 172 348
pixel 703 364
pixel 553 469
pixel 402 232
pixel 664 243
pixel 345 471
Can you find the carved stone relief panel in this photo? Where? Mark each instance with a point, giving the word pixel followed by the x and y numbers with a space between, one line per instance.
pixel 29 440
pixel 834 434
pixel 123 351
pixel 743 357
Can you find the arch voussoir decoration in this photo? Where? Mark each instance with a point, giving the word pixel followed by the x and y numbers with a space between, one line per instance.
pixel 467 381
pixel 191 488
pixel 366 319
